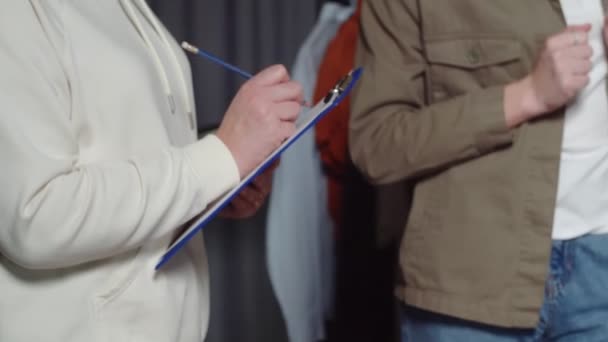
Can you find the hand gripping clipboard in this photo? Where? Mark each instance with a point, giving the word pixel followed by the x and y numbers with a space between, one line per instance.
pixel 305 121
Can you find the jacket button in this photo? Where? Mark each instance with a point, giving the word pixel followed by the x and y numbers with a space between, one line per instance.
pixel 474 55
pixel 439 94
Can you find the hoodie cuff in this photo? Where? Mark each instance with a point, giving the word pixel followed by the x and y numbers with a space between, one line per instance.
pixel 213 165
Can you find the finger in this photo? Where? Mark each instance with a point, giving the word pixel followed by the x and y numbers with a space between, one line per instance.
pixel 251 196
pixel 580 82
pixel 579 67
pixel 230 211
pixel 286 129
pixel 272 75
pixel 247 207
pixel 287 111
pixel 270 168
pixel 569 66
pixel 572 35
pixel 240 203
pixel 572 85
pixel 287 91
pixel 235 211
pixel 263 190
pixel 577 52
pixel 262 184
pixel 240 209
pixel 275 164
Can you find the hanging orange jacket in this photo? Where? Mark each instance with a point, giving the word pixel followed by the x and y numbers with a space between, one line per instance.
pixel 332 131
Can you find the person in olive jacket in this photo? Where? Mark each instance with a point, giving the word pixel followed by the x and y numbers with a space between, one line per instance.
pixel 496 112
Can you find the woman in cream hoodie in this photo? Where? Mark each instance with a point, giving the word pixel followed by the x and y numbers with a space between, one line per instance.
pixel 101 167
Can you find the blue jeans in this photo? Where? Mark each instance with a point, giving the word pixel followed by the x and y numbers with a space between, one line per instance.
pixel 575 307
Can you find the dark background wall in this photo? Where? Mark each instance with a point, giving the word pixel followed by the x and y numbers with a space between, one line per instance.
pixel 251 34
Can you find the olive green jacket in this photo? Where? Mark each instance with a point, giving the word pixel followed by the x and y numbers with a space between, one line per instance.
pixel 429 110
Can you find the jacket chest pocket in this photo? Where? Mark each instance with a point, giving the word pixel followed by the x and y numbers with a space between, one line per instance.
pixel 457 66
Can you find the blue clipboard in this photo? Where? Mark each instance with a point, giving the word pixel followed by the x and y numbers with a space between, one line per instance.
pixel 305 121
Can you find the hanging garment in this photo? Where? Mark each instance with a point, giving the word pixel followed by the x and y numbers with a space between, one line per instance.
pixel 299 230
pixel 332 131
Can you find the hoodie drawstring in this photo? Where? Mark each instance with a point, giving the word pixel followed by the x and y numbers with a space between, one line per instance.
pixel 147 13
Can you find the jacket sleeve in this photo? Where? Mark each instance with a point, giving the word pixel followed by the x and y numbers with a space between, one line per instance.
pixel 394 135
pixel 57 211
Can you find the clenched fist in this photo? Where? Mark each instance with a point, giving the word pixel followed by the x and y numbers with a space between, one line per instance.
pixel 561 72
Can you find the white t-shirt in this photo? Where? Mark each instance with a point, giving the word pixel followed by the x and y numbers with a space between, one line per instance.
pixel 582 198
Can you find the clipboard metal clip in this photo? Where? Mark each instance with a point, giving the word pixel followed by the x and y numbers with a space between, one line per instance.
pixel 339 88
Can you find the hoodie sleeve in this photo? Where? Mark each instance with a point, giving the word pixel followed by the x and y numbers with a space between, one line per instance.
pixel 56 211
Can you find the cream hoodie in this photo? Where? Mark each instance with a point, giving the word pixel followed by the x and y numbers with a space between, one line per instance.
pixel 100 167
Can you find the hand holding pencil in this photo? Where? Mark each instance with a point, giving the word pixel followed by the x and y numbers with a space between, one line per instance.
pixel 262 114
